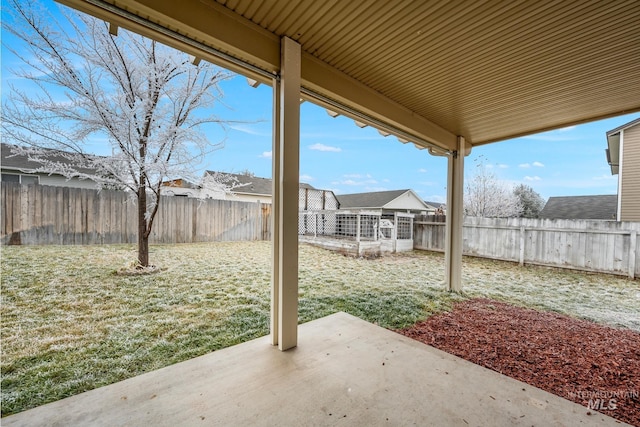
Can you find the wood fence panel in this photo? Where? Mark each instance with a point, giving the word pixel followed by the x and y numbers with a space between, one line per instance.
pixel 43 215
pixel 34 214
pixel 601 246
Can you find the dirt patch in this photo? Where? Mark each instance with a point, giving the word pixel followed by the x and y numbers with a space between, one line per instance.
pixel 594 365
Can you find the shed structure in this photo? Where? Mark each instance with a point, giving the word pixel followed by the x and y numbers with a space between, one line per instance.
pixel 366 224
pixel 443 75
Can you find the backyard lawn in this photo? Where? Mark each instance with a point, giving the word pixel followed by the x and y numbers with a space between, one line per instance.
pixel 70 324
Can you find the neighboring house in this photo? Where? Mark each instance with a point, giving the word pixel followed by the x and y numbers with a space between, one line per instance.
pixel 581 207
pixel 179 187
pixel 249 188
pixel 18 168
pixel 436 208
pixel 385 202
pixel 623 155
pixel 245 188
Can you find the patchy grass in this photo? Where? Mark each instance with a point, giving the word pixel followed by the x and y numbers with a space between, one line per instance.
pixel 70 324
pixel 601 298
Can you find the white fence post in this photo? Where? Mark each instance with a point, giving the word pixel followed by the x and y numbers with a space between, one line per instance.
pixel 394 231
pixel 632 253
pixel 522 243
pixel 574 244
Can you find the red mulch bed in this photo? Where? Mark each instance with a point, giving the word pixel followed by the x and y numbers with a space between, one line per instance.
pixel 574 359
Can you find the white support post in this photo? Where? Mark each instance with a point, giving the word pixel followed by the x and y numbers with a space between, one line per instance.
pixel 453 243
pixel 286 177
pixel 276 215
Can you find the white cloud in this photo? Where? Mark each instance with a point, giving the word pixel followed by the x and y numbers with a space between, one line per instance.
pixel 568 128
pixel 356 179
pixel 550 136
pixel 528 165
pixel 605 177
pixel 532 178
pixel 266 155
pixel 247 129
pixel 306 178
pixel 437 198
pixel 374 189
pixel 497 165
pixel 329 135
pixel 422 170
pixel 354 182
pixel 322 147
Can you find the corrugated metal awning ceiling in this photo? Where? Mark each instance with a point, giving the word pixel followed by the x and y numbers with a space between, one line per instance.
pixel 485 70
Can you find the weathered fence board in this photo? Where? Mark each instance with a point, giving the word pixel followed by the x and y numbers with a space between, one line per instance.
pixel 600 246
pixel 36 214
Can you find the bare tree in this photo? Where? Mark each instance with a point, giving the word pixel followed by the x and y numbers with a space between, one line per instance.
pixel 486 196
pixel 147 100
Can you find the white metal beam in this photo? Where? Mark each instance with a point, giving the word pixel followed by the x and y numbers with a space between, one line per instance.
pixel 333 84
pixel 453 242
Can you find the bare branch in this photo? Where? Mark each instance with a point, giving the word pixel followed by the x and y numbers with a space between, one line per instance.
pixel 148 100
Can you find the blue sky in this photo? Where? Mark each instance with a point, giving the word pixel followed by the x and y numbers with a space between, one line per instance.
pixel 337 155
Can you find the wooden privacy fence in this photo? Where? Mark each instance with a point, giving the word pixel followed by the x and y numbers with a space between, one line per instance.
pixel 41 215
pixel 599 246
pixel 36 214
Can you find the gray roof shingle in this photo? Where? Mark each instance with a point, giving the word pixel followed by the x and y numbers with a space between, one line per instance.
pixel 374 200
pixel 20 162
pixel 581 207
pixel 253 184
pixel 435 204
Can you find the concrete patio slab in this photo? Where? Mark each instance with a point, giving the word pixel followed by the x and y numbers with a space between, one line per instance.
pixel 344 372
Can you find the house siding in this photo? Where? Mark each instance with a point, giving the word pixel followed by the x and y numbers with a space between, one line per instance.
pixel 630 179
pixel 407 201
pixel 61 181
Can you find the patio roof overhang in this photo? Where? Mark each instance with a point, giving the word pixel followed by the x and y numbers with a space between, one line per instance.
pixel 445 75
pixel 435 70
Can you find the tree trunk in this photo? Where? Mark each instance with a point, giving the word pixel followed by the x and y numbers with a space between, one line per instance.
pixel 143 238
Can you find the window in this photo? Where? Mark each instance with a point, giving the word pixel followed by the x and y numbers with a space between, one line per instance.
pixel 29 179
pixel 9 177
pixel 23 179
